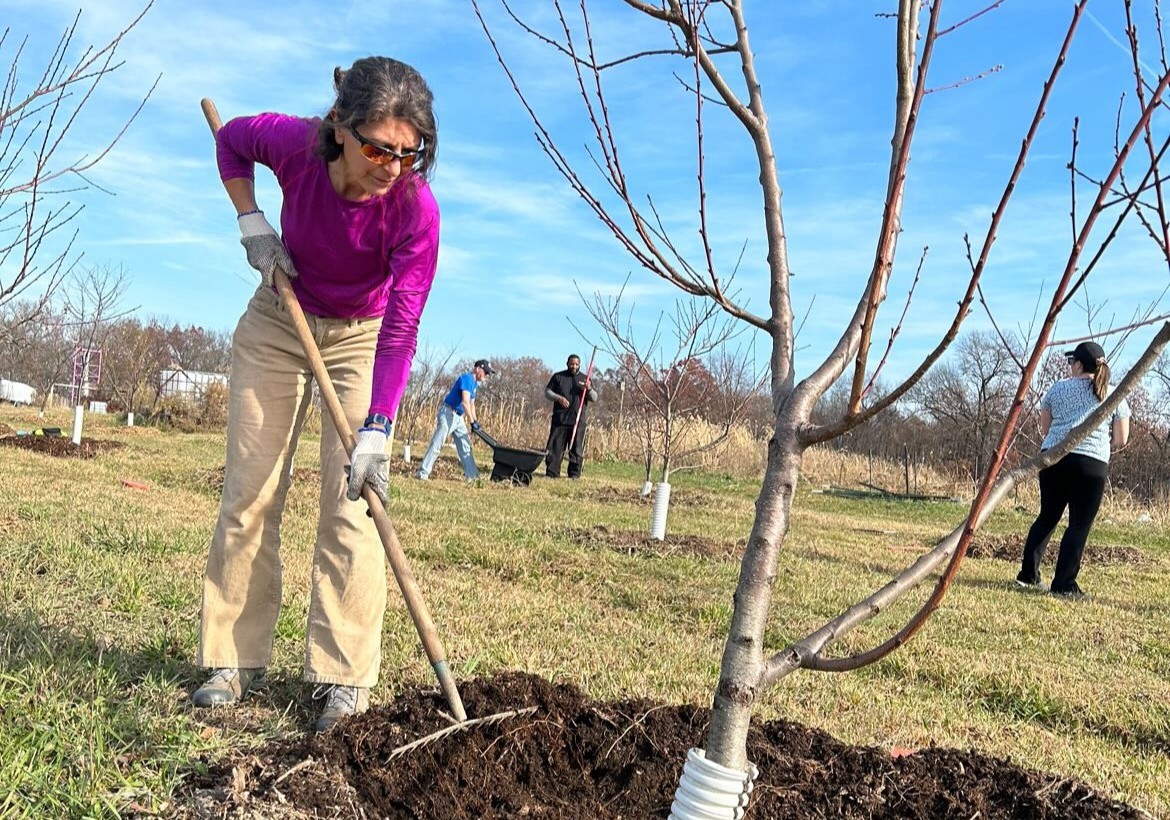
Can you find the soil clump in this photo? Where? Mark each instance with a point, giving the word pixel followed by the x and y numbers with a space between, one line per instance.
pixel 1011 548
pixel 61 446
pixel 575 758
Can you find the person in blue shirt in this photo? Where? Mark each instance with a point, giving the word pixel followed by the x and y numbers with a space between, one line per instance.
pixel 1077 481
pixel 456 414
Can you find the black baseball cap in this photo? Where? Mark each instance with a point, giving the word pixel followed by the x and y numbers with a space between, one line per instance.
pixel 1088 354
pixel 486 366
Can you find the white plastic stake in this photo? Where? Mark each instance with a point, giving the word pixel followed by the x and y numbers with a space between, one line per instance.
pixel 78 414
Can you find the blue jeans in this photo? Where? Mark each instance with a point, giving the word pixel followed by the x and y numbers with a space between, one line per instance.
pixel 449 423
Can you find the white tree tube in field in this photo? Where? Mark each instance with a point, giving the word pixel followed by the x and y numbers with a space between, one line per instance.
pixel 406 453
pixel 708 791
pixel 130 419
pixel 661 504
pixel 78 415
pixel 647 488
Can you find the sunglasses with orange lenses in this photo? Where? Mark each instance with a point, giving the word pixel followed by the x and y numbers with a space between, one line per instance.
pixel 381 155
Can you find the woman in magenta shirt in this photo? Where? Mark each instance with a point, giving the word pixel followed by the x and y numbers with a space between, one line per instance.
pixel 359 238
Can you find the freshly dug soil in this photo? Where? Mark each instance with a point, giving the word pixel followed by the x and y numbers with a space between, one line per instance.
pixel 579 759
pixel 630 542
pixel 61 446
pixel 1011 548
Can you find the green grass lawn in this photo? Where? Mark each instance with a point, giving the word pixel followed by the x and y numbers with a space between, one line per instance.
pixel 99 607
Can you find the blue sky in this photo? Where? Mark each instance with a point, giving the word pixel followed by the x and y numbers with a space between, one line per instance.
pixel 518 244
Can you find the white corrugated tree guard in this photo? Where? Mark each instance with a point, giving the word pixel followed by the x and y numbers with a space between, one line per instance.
pixel 749 667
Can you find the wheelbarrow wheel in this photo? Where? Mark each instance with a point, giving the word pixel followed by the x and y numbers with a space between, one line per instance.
pixel 522 478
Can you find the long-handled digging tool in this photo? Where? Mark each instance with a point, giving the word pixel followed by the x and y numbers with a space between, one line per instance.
pixel 394 554
pixel 581 404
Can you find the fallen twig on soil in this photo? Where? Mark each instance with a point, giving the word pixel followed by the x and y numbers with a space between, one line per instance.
pixel 467 724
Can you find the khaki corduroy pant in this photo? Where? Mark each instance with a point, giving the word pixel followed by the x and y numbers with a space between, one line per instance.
pixel 269 398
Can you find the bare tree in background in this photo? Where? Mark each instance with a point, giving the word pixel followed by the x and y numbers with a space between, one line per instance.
pixel 92 306
pixel 702 35
pixel 672 386
pixel 969 396
pixel 37 173
pixel 136 353
pixel 429 379
pixel 37 352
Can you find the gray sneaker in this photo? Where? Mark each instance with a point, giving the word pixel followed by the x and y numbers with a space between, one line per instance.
pixel 340 702
pixel 226 686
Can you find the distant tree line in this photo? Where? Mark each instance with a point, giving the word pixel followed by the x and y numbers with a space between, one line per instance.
pixel 947 424
pixel 134 351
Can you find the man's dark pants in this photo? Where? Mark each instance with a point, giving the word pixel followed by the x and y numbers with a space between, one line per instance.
pixel 558 439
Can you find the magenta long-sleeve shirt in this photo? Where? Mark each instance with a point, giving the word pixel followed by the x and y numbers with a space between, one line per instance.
pixel 354 260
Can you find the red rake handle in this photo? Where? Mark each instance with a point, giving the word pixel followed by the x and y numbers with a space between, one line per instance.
pixel 581 404
pixel 411 593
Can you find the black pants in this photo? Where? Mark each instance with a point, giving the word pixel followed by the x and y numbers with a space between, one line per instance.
pixel 558 438
pixel 1077 482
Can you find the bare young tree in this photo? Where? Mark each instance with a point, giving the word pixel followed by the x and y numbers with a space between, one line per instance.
pixel 136 353
pixel 92 307
pixel 703 34
pixel 429 378
pixel 672 385
pixel 36 233
pixel 969 397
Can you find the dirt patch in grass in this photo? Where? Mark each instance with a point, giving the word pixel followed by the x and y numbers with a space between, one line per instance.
pixel 1011 548
pixel 213 478
pixel 631 542
pixel 633 495
pixel 575 758
pixel 5 430
pixel 61 446
pixel 444 469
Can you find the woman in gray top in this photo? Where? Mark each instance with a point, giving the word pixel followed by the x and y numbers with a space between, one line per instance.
pixel 1077 481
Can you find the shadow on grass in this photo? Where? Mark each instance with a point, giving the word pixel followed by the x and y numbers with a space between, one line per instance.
pixel 95 666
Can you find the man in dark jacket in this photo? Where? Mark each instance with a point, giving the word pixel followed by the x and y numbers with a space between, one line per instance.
pixel 565 390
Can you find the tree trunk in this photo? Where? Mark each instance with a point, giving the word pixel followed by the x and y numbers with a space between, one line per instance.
pixel 741 673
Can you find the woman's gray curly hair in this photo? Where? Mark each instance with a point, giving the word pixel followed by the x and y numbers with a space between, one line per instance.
pixel 375 89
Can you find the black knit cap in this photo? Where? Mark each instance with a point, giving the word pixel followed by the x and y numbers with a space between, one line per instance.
pixel 1088 354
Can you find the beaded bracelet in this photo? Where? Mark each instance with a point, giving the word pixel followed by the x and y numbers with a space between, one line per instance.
pixel 248 213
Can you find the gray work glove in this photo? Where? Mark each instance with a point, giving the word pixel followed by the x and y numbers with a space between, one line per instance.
pixel 369 465
pixel 265 250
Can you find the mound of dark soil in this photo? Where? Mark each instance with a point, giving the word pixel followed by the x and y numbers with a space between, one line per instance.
pixel 61 446
pixel 1011 548
pixel 631 542
pixel 579 759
